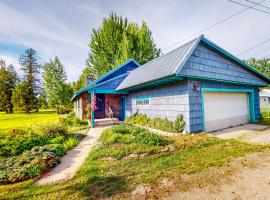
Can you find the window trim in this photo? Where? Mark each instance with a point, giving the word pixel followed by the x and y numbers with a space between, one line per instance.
pixel 142 99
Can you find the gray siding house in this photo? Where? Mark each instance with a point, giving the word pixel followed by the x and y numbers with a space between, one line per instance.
pixel 210 87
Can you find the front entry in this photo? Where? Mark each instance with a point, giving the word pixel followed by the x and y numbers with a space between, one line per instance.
pixel 100 105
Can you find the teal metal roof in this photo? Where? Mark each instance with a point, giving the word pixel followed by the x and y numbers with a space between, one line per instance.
pixel 170 64
pixel 159 68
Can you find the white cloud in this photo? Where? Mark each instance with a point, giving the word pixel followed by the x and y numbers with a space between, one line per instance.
pixel 10 60
pixel 63 28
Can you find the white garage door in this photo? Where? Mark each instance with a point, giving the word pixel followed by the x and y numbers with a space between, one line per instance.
pixel 224 109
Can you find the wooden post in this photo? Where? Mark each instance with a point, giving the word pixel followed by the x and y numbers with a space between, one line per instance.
pixel 92 111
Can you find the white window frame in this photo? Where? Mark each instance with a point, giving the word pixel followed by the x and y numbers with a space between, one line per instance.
pixel 143 99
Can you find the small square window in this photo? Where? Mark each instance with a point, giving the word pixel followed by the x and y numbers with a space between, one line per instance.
pixel 142 102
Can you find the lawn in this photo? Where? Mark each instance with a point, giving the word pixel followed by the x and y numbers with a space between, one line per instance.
pixel 22 120
pixel 128 156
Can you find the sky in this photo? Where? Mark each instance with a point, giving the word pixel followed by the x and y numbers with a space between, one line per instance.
pixel 63 28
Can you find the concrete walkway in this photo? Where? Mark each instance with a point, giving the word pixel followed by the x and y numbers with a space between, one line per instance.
pixel 73 160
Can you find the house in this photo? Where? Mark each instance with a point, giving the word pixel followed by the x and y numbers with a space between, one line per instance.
pixel 210 87
pixel 265 97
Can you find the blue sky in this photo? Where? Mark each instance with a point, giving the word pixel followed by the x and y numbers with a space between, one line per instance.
pixel 63 27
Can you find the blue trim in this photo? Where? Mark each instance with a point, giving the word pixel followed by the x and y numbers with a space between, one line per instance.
pixel 92 112
pixel 251 100
pixel 93 84
pixel 222 81
pixel 109 91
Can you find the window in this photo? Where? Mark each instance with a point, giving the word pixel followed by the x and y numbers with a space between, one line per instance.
pixel 142 102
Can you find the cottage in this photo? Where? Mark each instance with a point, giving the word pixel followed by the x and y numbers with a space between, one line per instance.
pixel 210 87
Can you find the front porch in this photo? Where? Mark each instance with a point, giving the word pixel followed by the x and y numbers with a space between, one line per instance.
pixel 109 107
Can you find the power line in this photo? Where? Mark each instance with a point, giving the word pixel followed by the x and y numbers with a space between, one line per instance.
pixel 258 4
pixel 254 47
pixel 213 25
pixel 250 7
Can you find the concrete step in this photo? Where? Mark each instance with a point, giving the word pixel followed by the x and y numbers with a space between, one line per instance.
pixel 106 122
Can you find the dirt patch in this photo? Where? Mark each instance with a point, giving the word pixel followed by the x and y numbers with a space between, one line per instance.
pixel 252 133
pixel 249 179
pixel 243 178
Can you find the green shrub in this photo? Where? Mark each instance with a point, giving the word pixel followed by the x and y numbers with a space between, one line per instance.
pixel 70 143
pixel 58 149
pixel 179 124
pixel 141 120
pixel 157 123
pixel 53 129
pixel 144 136
pixel 121 129
pixel 14 142
pixel 131 134
pixel 29 164
pixel 111 136
pixel 57 140
pixel 72 120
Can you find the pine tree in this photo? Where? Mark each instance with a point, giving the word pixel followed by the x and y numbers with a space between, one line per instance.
pixel 31 83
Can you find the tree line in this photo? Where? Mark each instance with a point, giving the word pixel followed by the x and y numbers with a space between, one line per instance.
pixel 41 86
pixel 115 41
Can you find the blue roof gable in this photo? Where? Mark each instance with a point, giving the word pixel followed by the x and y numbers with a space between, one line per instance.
pixel 111 79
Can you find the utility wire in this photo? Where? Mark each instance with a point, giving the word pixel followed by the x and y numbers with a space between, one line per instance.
pixel 213 25
pixel 250 7
pixel 258 4
pixel 254 47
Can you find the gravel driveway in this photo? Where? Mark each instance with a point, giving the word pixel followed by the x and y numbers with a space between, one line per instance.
pixel 252 133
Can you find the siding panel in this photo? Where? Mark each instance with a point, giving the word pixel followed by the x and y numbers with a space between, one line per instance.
pixel 207 64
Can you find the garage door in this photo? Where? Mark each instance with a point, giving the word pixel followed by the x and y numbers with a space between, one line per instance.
pixel 224 109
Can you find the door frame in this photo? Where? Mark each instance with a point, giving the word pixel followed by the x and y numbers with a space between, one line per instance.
pixel 250 93
pixel 123 108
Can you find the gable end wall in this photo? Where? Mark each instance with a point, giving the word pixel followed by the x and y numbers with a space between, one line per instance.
pixel 207 64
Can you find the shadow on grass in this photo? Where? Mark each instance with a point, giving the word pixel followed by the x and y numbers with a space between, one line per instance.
pixel 105 187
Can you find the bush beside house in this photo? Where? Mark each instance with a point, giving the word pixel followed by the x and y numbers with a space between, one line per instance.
pixel 157 123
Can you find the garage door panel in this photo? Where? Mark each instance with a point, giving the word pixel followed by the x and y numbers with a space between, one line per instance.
pixel 224 109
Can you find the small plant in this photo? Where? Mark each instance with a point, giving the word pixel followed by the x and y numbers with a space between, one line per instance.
pixel 165 124
pixel 179 124
pixel 144 136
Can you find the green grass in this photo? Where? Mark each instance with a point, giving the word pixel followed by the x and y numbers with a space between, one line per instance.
pixel 99 178
pixel 22 120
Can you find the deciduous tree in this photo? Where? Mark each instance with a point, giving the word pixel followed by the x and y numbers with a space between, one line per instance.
pixel 8 80
pixel 58 92
pixel 116 41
